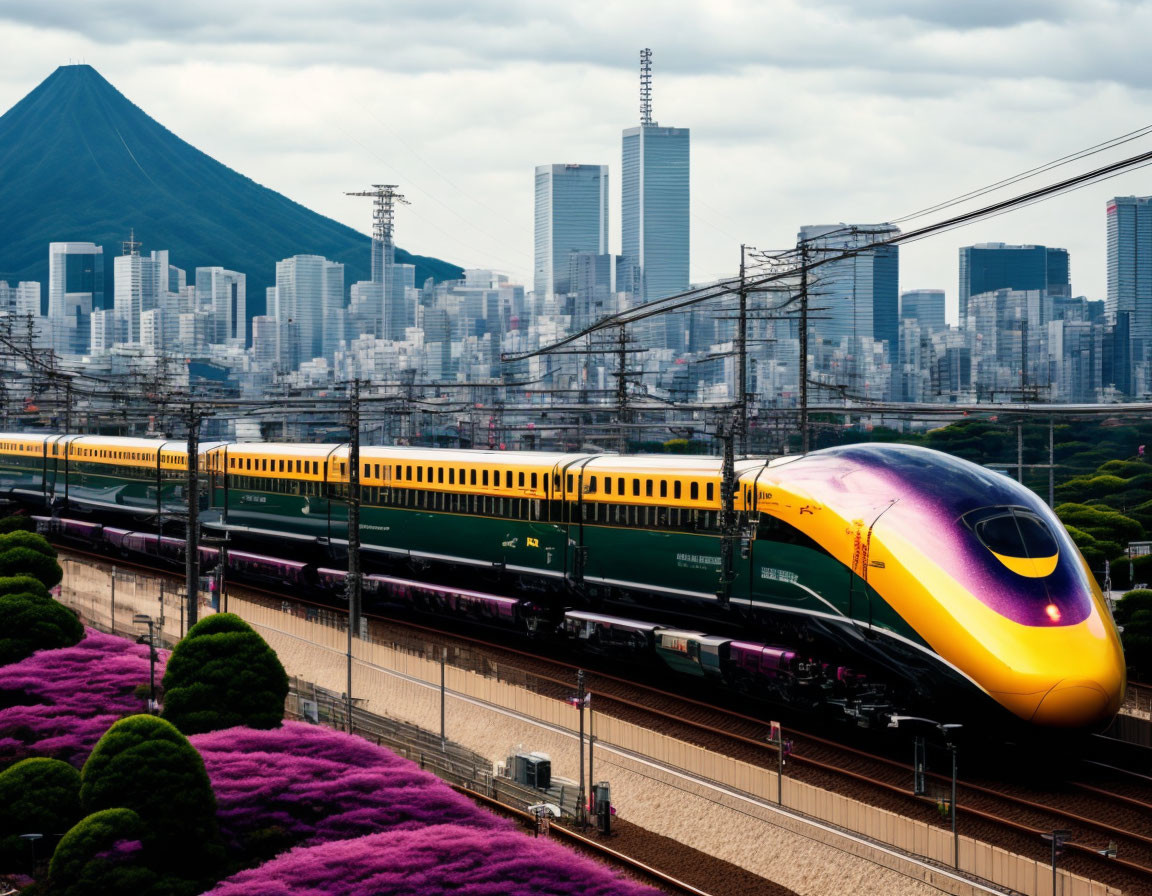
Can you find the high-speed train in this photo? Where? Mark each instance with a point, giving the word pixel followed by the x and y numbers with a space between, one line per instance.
pixel 933 581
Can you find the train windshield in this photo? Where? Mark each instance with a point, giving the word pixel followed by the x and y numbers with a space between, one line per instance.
pixel 1012 532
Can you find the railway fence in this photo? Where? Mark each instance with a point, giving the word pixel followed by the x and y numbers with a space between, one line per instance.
pixel 394 684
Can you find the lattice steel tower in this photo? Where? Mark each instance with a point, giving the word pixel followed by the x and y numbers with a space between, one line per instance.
pixel 386 197
pixel 646 87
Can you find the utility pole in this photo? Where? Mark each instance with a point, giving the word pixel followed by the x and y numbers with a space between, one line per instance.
pixel 353 582
pixel 1051 466
pixel 622 388
pixel 582 795
pixel 804 444
pixel 728 533
pixel 742 356
pixel 192 533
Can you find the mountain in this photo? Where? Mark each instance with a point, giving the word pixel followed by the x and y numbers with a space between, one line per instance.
pixel 79 162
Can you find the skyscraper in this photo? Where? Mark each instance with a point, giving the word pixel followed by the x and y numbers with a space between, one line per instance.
pixel 987 267
pixel 1130 267
pixel 925 306
pixel 571 216
pixel 75 288
pixel 304 287
pixel 224 294
pixel 856 297
pixel 654 193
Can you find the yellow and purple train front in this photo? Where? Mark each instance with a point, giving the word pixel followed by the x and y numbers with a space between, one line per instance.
pixel 974 563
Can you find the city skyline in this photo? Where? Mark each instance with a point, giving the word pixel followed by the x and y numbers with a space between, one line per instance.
pixel 976 94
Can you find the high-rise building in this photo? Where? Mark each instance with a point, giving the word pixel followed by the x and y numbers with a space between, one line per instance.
pixel 857 297
pixel 75 288
pixel 304 288
pixel 1130 267
pixel 987 267
pixel 925 306
pixel 223 293
pixel 654 191
pixel 571 216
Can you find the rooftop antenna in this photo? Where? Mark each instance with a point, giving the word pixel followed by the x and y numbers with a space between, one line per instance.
pixel 386 197
pixel 130 246
pixel 646 87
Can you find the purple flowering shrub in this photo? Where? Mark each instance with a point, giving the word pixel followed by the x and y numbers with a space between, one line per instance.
pixel 439 859
pixel 58 703
pixel 311 785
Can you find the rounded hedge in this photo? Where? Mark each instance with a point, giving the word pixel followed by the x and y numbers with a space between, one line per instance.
pixel 223 674
pixel 22 585
pixel 17 523
pixel 104 853
pixel 144 764
pixel 30 540
pixel 29 623
pixel 19 561
pixel 38 795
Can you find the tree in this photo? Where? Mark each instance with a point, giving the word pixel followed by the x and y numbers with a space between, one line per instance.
pixel 105 853
pixel 144 764
pixel 29 622
pixel 223 674
pixel 29 561
pixel 23 585
pixel 1134 615
pixel 40 796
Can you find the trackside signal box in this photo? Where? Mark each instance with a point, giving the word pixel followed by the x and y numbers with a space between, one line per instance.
pixel 532 770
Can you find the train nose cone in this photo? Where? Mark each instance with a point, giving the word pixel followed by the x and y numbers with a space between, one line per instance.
pixel 1075 704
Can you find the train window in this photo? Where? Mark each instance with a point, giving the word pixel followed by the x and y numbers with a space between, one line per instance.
pixel 694 491
pixel 473 477
pixel 709 491
pixel 648 488
pixel 315 468
pixel 569 482
pixel 484 478
pixel 663 488
pixel 451 475
pixel 676 490
pixel 533 480
pixel 377 469
pixel 463 476
pixel 520 479
pixel 635 488
pixel 439 474
pixel 419 474
pixel 249 461
pixel 408 475
pixel 607 485
pixel 591 485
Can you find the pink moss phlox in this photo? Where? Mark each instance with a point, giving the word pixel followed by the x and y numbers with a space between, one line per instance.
pixel 78 691
pixel 440 859
pixel 121 851
pixel 320 785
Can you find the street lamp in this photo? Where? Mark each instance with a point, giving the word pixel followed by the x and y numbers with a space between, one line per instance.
pixel 1057 838
pixel 31 840
pixel 144 619
pixel 947 729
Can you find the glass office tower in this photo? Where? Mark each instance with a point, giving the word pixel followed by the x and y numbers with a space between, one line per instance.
pixel 571 216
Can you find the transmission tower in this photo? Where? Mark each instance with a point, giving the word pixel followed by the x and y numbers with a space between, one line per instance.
pixel 646 87
pixel 386 197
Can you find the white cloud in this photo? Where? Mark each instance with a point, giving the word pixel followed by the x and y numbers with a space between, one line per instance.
pixel 800 112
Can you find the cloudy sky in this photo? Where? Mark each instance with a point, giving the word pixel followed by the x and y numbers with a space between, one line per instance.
pixel 801 112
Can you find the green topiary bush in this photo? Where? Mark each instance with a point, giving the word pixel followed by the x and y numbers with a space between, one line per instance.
pixel 29 540
pixel 27 561
pixel 17 523
pixel 144 764
pixel 29 623
pixel 223 674
pixel 104 853
pixel 39 795
pixel 23 585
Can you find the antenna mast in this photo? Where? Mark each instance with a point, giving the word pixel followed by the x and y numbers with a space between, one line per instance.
pixel 646 87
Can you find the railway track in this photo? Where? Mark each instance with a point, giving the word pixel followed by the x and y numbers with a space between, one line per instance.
pixel 1099 811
